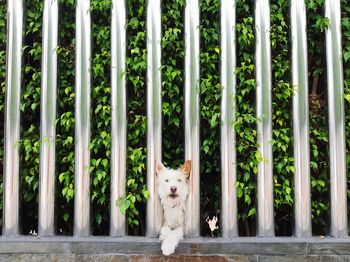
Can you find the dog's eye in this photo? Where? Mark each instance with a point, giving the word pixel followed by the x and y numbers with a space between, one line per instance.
pixel 166 180
pixel 179 180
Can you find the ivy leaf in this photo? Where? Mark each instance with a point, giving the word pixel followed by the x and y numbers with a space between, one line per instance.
pixel 123 203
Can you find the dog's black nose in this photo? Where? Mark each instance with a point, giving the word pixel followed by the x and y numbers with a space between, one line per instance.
pixel 173 189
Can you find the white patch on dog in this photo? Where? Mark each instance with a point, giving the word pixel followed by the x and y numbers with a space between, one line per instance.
pixel 173 187
pixel 212 224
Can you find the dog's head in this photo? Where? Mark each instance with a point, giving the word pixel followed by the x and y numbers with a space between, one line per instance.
pixel 173 185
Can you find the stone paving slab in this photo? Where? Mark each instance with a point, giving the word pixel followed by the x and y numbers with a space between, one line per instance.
pixel 136 258
pixel 138 249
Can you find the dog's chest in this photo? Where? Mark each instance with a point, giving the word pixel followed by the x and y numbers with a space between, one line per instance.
pixel 174 217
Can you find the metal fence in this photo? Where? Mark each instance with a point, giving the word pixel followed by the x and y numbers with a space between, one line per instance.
pixel 338 227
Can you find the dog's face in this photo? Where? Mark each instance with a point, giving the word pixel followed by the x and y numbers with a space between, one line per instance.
pixel 173 184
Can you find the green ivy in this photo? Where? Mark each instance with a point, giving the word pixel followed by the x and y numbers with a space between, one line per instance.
pixel 30 114
pixel 3 8
pixel 65 119
pixel 246 121
pixel 316 26
pixel 133 204
pixel 346 66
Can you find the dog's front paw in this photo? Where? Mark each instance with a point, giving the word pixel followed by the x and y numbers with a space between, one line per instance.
pixel 164 232
pixel 168 248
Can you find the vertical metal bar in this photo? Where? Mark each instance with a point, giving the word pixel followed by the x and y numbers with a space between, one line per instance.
pixel 48 116
pixel 228 108
pixel 154 115
pixel 339 222
pixel 192 92
pixel 264 114
pixel 82 119
pixel 12 118
pixel 119 121
pixel 300 120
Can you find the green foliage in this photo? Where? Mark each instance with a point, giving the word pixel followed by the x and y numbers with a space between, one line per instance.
pixel 133 203
pixel 282 119
pixel 318 115
pixel 246 121
pixel 2 88
pixel 346 66
pixel 101 112
pixel 173 77
pixel 210 110
pixel 30 114
pixel 136 82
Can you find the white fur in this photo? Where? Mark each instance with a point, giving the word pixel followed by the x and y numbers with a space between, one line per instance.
pixel 174 207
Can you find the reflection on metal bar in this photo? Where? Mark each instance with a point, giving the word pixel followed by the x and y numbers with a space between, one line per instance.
pixel 192 89
pixel 300 120
pixel 154 115
pixel 339 222
pixel 228 107
pixel 264 114
pixel 82 120
pixel 119 121
pixel 48 116
pixel 12 118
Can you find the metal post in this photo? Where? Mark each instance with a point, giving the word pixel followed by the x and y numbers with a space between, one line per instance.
pixel 192 91
pixel 48 116
pixel 12 118
pixel 300 120
pixel 119 121
pixel 264 114
pixel 339 221
pixel 82 119
pixel 228 109
pixel 154 115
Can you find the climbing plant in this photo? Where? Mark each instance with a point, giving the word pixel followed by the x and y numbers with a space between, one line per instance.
pixel 173 76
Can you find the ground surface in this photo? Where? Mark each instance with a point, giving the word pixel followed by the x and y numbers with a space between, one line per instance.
pixel 194 249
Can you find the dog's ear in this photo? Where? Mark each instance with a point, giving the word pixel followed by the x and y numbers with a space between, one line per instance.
pixel 159 167
pixel 186 168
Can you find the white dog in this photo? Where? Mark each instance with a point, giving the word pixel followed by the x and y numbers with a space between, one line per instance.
pixel 173 188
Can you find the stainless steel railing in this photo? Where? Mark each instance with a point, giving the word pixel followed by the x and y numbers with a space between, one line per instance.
pixel 336 120
pixel 119 121
pixel 12 118
pixel 82 116
pixel 228 109
pixel 48 116
pixel 266 225
pixel 301 120
pixel 229 211
pixel 192 143
pixel 154 114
